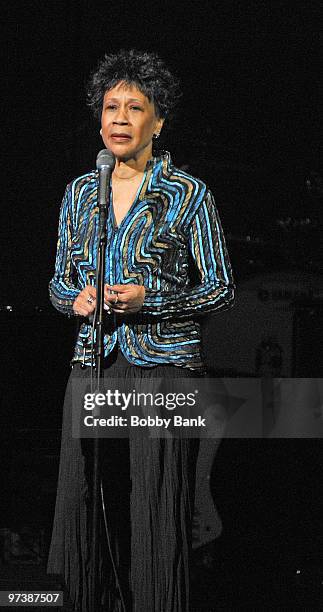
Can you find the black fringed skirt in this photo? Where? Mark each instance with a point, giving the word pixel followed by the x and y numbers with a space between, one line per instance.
pixel 148 490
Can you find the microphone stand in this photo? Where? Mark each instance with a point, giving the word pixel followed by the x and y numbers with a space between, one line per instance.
pixel 104 181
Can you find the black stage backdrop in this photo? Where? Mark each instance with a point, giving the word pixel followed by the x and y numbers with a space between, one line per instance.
pixel 250 125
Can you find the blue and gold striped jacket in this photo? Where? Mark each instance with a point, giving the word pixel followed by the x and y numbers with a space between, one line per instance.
pixel 170 241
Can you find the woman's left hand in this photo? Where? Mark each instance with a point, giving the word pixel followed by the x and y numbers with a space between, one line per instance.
pixel 126 299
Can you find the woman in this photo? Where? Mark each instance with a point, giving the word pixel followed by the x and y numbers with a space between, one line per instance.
pixel 166 263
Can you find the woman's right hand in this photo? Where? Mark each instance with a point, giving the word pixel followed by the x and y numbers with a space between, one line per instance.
pixel 85 303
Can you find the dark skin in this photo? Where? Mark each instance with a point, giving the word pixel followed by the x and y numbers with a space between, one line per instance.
pixel 127 299
pixel 125 110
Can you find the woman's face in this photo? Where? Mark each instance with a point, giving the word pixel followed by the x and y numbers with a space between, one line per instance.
pixel 128 122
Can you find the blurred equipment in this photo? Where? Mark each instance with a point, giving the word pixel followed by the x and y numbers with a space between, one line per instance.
pixel 308 333
pixel 256 337
pixel 207 524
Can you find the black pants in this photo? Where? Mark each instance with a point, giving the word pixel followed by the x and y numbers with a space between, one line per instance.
pixel 148 489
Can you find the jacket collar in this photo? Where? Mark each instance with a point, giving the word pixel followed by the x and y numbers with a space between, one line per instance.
pixel 158 168
pixel 161 163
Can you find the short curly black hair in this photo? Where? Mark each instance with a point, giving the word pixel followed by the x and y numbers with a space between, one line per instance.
pixel 145 70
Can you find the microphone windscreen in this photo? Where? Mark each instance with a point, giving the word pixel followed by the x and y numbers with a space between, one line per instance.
pixel 105 158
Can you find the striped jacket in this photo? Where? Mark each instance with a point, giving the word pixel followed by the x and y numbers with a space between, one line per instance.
pixel 170 241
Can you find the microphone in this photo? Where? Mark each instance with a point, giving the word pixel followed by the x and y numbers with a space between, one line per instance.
pixel 105 163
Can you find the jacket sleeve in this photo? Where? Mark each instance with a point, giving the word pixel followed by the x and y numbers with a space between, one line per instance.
pixel 216 288
pixel 62 292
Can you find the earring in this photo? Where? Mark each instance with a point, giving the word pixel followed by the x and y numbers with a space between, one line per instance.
pixel 101 132
pixel 155 136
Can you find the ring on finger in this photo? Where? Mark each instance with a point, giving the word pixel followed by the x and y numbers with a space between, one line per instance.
pixel 90 299
pixel 116 300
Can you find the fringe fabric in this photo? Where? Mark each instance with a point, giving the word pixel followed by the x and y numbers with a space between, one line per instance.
pixel 148 490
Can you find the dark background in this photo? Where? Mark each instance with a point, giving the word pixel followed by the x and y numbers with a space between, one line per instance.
pixel 250 125
pixel 249 122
